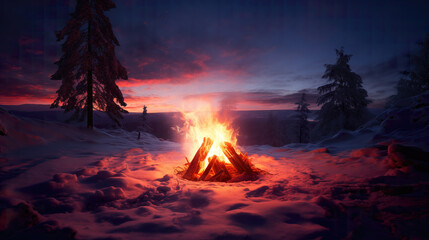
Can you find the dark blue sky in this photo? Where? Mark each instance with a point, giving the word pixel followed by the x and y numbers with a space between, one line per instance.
pixel 247 54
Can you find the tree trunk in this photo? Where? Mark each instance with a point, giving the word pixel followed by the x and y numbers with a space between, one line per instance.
pixel 89 99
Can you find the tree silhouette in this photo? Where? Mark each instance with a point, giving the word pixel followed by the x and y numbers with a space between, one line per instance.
pixel 88 67
pixel 144 114
pixel 303 128
pixel 416 79
pixel 144 126
pixel 343 99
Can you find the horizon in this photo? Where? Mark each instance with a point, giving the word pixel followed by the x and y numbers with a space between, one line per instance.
pixel 59 109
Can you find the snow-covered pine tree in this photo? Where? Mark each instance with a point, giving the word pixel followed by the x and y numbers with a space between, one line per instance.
pixel 88 67
pixel 144 117
pixel 344 100
pixel 415 80
pixel 303 128
pixel 144 114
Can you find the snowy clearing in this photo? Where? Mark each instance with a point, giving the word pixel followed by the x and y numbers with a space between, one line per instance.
pixel 63 182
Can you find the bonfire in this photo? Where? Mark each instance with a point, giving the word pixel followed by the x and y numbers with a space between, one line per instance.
pixel 216 155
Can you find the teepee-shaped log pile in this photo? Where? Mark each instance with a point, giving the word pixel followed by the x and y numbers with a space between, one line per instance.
pixel 240 168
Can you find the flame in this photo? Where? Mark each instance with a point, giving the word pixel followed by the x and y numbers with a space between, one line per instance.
pixel 201 124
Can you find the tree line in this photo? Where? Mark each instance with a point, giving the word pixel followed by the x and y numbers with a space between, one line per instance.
pixel 344 101
pixel 88 71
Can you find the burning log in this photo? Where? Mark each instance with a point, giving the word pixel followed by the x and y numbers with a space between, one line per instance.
pixel 216 166
pixel 239 167
pixel 217 175
pixel 226 173
pixel 221 167
pixel 200 155
pixel 206 172
pixel 245 159
pixel 239 163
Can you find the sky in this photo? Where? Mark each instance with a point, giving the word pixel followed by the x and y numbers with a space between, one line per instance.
pixel 242 55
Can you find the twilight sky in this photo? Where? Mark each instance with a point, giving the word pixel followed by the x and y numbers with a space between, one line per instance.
pixel 246 55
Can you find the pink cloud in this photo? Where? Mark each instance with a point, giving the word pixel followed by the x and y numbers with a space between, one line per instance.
pixel 253 100
pixel 182 79
pixel 17 100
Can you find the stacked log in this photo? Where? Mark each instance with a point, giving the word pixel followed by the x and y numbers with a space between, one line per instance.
pixel 195 165
pixel 226 176
pixel 235 159
pixel 212 161
pixel 217 170
pixel 216 176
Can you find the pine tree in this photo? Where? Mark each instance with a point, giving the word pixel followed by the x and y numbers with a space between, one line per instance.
pixel 343 99
pixel 88 67
pixel 144 118
pixel 144 114
pixel 303 128
pixel 416 79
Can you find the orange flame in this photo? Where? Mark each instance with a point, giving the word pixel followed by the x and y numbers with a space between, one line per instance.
pixel 201 124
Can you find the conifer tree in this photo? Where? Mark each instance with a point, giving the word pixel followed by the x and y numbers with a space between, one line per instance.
pixel 144 118
pixel 144 114
pixel 415 80
pixel 303 128
pixel 88 67
pixel 343 99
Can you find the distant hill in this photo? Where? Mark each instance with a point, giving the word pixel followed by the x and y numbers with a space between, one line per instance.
pixel 254 127
pixel 271 127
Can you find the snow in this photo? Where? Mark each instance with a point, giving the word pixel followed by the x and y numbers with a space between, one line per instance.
pixel 65 182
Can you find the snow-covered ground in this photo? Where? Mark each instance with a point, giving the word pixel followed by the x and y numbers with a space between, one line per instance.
pixel 64 182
